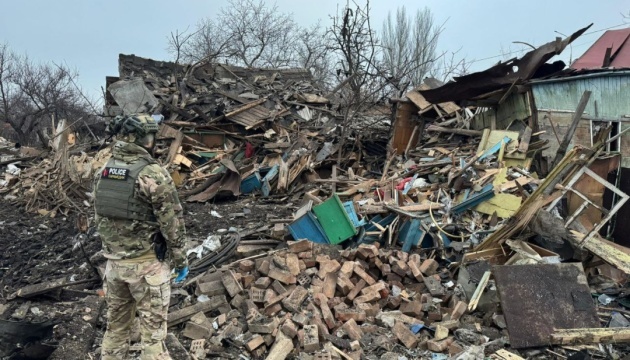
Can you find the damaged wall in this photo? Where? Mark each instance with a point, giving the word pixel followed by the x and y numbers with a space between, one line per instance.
pixel 514 107
pixel 555 124
pixel 557 99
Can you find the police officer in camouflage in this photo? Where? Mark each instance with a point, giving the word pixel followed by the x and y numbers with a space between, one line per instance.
pixel 136 202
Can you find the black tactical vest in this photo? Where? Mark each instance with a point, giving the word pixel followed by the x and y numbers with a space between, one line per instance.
pixel 115 192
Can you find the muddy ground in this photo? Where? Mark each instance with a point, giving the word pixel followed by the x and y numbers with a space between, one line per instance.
pixel 36 249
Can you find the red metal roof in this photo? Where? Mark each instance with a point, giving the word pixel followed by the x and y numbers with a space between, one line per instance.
pixel 593 58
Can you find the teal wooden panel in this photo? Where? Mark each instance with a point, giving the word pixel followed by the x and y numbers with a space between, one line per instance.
pixel 611 92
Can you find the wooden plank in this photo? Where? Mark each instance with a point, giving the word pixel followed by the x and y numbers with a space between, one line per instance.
pixel 474 300
pixel 181 315
pixel 449 107
pixel 181 159
pixel 562 149
pixel 524 143
pixel 363 187
pixel 42 288
pixel 334 178
pixel 418 100
pixel 411 139
pixel 505 205
pixel 590 336
pixel 505 355
pixel 424 206
pixel 281 145
pixel 466 132
pixel 604 249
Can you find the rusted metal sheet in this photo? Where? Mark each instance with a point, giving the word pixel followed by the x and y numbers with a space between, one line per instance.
pixel 403 128
pixel 501 75
pixel 536 299
pixel 619 43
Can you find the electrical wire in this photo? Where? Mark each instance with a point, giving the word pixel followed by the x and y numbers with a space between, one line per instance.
pixel 438 226
pixel 522 50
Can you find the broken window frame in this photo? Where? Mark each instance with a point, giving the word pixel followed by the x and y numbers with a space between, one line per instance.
pixel 623 197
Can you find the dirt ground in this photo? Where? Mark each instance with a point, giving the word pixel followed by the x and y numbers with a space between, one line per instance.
pixel 36 249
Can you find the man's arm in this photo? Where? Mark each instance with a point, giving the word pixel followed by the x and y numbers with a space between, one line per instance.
pixel 157 185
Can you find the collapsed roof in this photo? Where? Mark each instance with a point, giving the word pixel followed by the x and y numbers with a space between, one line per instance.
pixel 504 74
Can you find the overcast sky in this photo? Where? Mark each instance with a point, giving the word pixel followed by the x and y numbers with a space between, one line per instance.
pixel 89 34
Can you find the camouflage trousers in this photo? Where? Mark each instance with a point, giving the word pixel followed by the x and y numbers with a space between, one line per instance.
pixel 142 287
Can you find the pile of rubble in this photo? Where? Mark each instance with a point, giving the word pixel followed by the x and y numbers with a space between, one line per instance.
pixel 432 237
pixel 329 304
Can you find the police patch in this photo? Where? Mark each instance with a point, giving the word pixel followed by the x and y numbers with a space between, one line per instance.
pixel 115 173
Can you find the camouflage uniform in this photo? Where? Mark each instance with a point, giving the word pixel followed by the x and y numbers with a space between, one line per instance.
pixel 135 279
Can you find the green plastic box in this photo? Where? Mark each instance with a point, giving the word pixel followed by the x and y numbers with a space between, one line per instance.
pixel 333 218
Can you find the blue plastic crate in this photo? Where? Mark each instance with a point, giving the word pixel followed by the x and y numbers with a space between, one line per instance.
pixel 349 207
pixel 307 227
pixel 251 183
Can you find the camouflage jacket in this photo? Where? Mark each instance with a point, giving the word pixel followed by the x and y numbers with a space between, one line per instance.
pixel 128 239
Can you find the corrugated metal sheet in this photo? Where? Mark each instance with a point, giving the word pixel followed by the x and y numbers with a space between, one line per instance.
pixel 611 92
pixel 251 118
pixel 617 40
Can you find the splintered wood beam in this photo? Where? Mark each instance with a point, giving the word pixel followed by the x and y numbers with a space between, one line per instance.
pixel 479 291
pixel 523 145
pixel 454 131
pixel 42 288
pixel 562 149
pixel 425 206
pixel 590 336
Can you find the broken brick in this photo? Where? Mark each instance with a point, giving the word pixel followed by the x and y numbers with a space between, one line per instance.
pixel 311 338
pixel 352 329
pixel 429 267
pixel 404 335
pixel 300 246
pixel 283 276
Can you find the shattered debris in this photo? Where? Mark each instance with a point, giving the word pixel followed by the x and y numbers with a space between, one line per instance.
pixel 421 236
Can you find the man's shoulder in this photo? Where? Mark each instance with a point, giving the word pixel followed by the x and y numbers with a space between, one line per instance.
pixel 154 171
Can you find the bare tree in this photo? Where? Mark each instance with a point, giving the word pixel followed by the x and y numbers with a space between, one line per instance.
pixel 178 45
pixel 355 45
pixel 31 94
pixel 246 32
pixel 409 47
pixel 312 52
pixel 449 65
pixel 262 36
pixel 208 42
